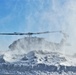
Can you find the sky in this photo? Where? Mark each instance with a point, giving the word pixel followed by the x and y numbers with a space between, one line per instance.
pixel 37 16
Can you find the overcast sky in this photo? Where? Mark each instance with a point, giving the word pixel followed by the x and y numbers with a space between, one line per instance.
pixel 35 16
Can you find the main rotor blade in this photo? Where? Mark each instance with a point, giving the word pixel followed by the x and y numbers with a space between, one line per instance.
pixel 11 34
pixel 46 32
pixel 29 33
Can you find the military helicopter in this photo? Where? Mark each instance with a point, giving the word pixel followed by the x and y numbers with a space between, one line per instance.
pixel 29 34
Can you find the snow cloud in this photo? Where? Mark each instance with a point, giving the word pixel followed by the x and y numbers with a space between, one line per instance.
pixel 42 15
pixel 55 15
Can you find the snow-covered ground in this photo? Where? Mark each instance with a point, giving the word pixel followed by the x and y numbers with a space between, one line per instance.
pixel 35 62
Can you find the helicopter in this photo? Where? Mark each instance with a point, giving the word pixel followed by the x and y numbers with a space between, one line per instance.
pixel 30 34
pixel 37 33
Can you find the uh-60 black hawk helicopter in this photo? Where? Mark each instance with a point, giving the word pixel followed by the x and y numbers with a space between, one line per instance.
pixel 55 45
